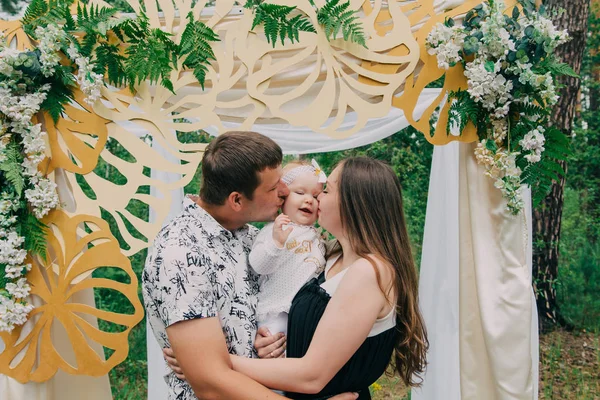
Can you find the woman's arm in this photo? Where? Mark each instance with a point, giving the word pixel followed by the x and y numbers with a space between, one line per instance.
pixel 347 320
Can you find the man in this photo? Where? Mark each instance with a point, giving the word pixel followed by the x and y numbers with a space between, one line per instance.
pixel 199 292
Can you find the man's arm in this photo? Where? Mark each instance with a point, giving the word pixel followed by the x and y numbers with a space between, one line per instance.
pixel 202 354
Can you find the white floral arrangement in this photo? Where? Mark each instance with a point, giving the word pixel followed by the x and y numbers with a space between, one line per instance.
pixel 510 66
pixel 27 78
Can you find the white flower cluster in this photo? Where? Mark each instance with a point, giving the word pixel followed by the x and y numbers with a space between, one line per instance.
pixel 42 197
pixel 12 313
pixel 19 102
pixel 489 87
pixel 495 35
pixel 545 28
pixel 499 130
pixel 20 108
pixel 445 43
pixel 489 47
pixel 501 167
pixel 542 83
pixel 7 54
pixel 49 45
pixel 534 143
pixel 13 307
pixel 90 82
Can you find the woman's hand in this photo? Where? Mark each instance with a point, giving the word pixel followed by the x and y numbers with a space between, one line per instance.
pixel 269 346
pixel 169 355
pixel 345 396
pixel 280 235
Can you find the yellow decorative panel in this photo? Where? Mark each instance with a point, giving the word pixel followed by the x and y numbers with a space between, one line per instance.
pixel 13 32
pixel 54 282
pixel 77 139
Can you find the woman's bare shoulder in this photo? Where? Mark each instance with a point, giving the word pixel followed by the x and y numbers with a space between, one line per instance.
pixel 370 266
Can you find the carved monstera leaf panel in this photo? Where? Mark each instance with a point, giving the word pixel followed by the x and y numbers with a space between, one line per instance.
pixel 56 285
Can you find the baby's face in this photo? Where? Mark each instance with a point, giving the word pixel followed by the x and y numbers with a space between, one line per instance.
pixel 301 205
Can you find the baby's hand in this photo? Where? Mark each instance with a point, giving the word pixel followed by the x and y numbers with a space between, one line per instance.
pixel 281 235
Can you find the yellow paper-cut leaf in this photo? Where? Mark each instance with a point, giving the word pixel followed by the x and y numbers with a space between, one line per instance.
pixel 54 284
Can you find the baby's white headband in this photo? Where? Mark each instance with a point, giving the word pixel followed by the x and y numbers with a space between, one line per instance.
pixel 292 174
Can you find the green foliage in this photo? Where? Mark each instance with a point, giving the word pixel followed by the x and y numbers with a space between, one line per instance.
pixel 111 61
pixel 195 47
pixel 578 284
pixel 44 12
pixel 8 6
pixel 553 65
pixel 464 110
pixel 150 53
pixel 60 94
pixel 11 168
pixel 126 51
pixel 277 22
pixel 35 232
pixel 540 175
pixel 335 16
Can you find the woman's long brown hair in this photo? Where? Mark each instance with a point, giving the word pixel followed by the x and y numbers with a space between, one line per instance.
pixel 373 219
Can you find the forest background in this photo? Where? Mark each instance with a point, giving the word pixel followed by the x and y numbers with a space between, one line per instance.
pixel 569 343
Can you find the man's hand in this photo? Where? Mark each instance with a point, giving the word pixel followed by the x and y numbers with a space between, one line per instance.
pixel 281 235
pixel 169 355
pixel 267 345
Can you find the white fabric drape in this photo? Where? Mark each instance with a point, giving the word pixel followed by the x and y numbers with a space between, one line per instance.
pixel 438 278
pixel 475 287
pixel 301 140
pixel 157 387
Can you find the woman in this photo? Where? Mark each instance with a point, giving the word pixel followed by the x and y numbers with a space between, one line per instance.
pixel 345 326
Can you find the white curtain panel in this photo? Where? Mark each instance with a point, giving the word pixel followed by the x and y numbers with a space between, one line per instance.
pixel 475 287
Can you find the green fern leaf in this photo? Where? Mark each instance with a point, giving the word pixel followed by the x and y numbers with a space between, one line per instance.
pixel 277 24
pixel 541 174
pixel 462 110
pixel 60 93
pixel 110 62
pixel 11 168
pixel 34 12
pixel 335 17
pixel 35 233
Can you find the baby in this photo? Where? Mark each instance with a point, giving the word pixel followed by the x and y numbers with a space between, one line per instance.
pixel 289 252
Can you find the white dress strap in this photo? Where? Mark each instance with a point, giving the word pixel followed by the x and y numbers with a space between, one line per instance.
pixel 329 263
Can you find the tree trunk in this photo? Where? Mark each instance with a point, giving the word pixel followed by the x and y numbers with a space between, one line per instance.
pixel 547 217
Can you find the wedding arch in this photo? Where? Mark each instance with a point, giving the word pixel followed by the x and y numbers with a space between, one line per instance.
pixel 318 93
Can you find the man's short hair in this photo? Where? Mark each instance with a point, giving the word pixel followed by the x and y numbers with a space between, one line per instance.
pixel 232 162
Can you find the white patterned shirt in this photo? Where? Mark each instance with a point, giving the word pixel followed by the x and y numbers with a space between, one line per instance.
pixel 198 269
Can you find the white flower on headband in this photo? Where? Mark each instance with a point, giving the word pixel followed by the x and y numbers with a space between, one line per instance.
pixel 319 172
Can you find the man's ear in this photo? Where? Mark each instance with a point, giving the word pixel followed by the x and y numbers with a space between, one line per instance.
pixel 235 201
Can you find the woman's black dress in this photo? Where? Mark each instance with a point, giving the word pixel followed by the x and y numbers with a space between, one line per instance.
pixel 364 367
